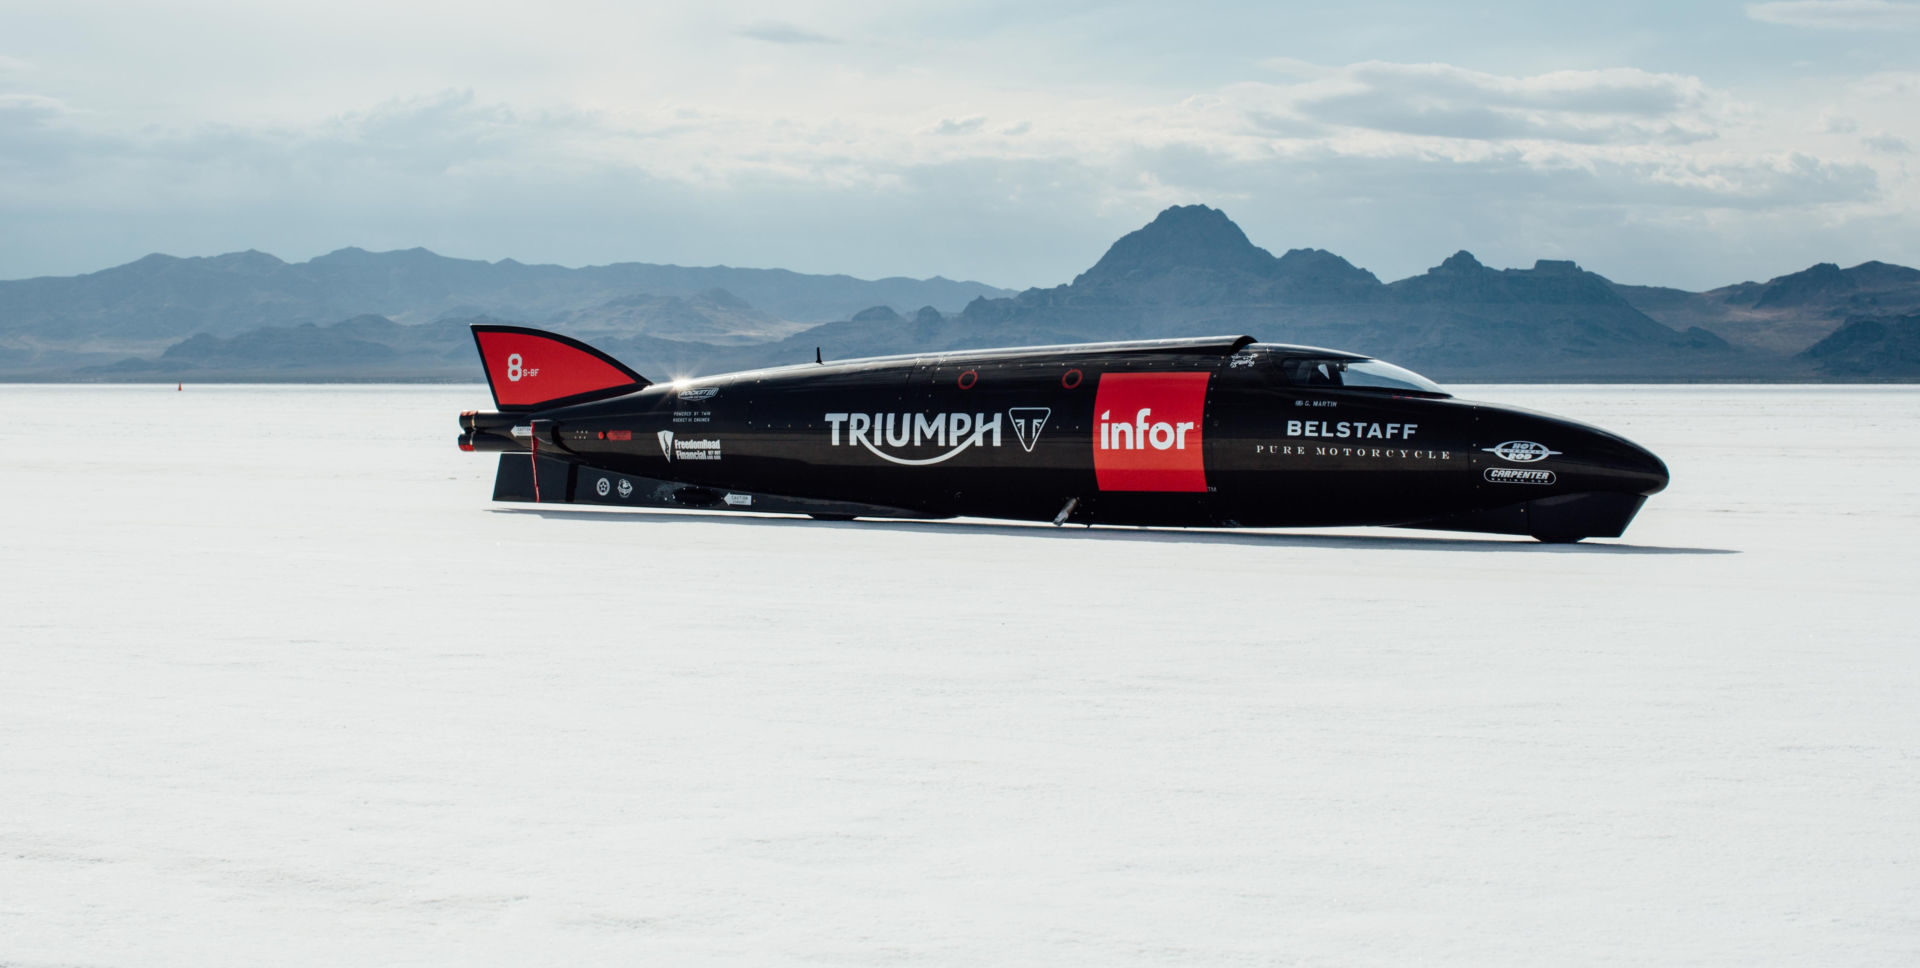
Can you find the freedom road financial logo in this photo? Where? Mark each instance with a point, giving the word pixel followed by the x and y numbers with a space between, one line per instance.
pixel 680 448
pixel 1148 432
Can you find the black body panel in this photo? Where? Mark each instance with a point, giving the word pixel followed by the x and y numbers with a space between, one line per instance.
pixel 1220 432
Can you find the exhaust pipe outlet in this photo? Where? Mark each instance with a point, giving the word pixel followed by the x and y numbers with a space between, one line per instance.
pixel 474 420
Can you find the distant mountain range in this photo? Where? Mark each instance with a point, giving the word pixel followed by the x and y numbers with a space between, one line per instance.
pixel 56 324
pixel 356 315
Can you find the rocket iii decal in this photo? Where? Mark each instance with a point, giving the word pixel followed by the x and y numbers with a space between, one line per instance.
pixel 1147 432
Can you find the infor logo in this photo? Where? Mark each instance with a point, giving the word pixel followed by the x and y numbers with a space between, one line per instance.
pixel 1148 431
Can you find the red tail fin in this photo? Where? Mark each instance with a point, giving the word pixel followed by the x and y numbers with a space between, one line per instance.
pixel 527 368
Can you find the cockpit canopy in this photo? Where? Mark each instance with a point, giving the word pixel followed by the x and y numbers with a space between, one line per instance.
pixel 1355 374
pixel 1282 364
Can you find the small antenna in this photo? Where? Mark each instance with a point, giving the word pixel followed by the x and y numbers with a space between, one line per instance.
pixel 816 355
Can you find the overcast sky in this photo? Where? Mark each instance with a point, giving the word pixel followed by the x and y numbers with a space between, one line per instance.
pixel 1689 144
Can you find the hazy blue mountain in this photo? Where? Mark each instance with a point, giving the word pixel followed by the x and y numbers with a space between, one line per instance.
pixel 1193 256
pixel 1885 348
pixel 163 299
pixel 362 348
pixel 1191 271
pixel 1785 314
pixel 711 316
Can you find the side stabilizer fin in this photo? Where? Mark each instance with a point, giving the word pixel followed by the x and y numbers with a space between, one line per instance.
pixel 528 368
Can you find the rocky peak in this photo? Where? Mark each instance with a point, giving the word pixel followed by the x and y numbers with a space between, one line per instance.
pixel 877 314
pixel 250 259
pixel 1808 285
pixel 1182 237
pixel 1463 279
pixel 1883 275
pixel 721 298
pixel 1321 273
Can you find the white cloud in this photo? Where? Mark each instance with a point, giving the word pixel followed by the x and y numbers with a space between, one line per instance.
pixel 1839 14
pixel 661 137
pixel 779 32
pixel 956 126
pixel 1443 101
pixel 458 173
pixel 1296 67
pixel 32 104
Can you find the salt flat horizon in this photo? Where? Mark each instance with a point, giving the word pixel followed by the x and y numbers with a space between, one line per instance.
pixel 282 685
pixel 1836 384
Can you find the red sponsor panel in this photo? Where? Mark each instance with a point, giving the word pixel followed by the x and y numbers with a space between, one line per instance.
pixel 527 368
pixel 1147 431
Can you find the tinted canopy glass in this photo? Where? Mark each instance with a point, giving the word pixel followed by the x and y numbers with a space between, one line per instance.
pixel 1361 374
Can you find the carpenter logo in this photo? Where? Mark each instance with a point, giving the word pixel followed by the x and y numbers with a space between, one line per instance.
pixel 1148 432
pixel 1518 475
pixel 1521 451
pixel 887 435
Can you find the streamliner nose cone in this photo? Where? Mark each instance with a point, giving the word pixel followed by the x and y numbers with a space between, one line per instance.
pixel 1649 468
pixel 1619 464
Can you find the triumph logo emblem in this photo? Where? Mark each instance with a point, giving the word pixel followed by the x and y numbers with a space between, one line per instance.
pixel 1027 422
pixel 883 433
pixel 666 444
pixel 1521 451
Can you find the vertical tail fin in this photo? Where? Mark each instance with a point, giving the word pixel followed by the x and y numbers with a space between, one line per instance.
pixel 529 368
